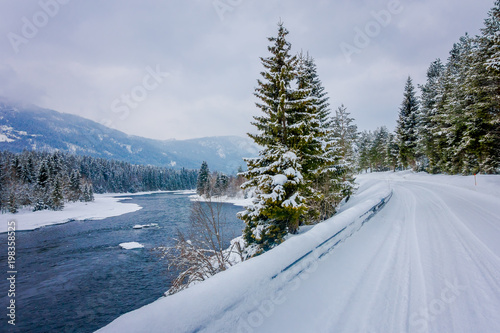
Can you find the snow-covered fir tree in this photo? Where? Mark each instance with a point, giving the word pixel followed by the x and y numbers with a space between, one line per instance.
pixel 57 198
pixel 363 145
pixel 345 134
pixel 431 93
pixel 87 193
pixel 378 149
pixel 407 126
pixel 312 140
pixel 297 155
pixel 75 186
pixel 392 152
pixel 481 109
pixel 203 182
pixel 12 205
pixel 276 174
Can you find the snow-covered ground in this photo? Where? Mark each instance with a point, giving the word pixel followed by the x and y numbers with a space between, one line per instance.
pixel 105 205
pixel 429 261
pixel 237 201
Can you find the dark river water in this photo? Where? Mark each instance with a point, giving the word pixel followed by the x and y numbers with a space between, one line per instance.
pixel 74 277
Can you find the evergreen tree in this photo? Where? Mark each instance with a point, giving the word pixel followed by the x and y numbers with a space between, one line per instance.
pixel 392 152
pixel 449 118
pixel 297 177
pixel 75 186
pixel 276 174
pixel 481 110
pixel 90 193
pixel 27 170
pixel 221 183
pixel 378 151
pixel 345 134
pixel 43 177
pixel 407 125
pixel 312 140
pixel 203 182
pixel 363 154
pixel 431 93
pixel 490 39
pixel 57 198
pixel 12 205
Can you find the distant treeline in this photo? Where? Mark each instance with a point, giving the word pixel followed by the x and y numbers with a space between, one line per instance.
pixel 44 180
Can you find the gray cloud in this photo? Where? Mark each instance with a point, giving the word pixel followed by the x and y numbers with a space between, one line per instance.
pixel 90 53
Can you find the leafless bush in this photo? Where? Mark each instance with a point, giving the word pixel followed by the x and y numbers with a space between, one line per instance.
pixel 202 254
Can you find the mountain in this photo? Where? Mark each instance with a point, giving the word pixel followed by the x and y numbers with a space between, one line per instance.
pixel 34 128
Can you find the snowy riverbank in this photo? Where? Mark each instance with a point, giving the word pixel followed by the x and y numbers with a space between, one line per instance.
pixel 237 201
pixel 105 205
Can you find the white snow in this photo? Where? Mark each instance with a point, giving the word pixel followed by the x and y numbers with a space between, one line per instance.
pixel 105 205
pixel 221 153
pixel 4 130
pixel 279 179
pixel 142 226
pixel 428 261
pixel 239 200
pixel 131 245
pixel 5 138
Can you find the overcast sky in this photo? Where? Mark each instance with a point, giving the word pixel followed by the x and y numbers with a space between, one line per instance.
pixel 188 68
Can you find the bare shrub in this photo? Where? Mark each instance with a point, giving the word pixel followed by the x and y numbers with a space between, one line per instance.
pixel 201 254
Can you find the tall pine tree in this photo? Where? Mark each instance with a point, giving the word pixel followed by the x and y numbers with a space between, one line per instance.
pixel 203 182
pixel 431 93
pixel 407 125
pixel 345 134
pixel 276 174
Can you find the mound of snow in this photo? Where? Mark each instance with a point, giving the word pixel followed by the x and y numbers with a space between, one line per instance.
pixel 131 245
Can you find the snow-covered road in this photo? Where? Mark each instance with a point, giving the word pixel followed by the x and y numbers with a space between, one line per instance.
pixel 429 261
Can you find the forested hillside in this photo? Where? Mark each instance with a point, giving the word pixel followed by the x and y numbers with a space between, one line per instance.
pixel 33 128
pixel 47 180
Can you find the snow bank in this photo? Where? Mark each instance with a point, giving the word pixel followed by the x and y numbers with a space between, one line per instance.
pixel 237 201
pixel 143 226
pixel 131 245
pixel 192 308
pixel 150 192
pixel 103 207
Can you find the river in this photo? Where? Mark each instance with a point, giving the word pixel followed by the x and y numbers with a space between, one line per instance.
pixel 75 277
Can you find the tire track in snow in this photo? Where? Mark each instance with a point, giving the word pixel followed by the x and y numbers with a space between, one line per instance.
pixel 458 254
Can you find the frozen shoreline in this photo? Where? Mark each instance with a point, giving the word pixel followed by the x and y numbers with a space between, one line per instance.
pixel 105 205
pixel 237 201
